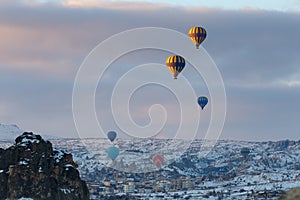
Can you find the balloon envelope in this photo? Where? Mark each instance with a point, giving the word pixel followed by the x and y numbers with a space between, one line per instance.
pixel 202 101
pixel 245 151
pixel 175 64
pixel 158 160
pixel 113 152
pixel 197 35
pixel 111 135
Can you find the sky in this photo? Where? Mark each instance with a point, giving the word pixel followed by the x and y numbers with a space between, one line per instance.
pixel 255 45
pixel 277 5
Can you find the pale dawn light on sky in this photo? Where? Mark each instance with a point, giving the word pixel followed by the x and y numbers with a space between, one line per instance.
pixel 254 43
pixel 278 5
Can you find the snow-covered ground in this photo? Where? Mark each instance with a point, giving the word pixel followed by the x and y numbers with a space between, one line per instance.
pixel 224 173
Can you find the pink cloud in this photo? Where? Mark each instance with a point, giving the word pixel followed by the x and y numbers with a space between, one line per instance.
pixel 120 5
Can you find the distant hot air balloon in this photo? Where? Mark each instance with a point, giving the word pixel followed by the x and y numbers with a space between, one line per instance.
pixel 158 160
pixel 245 151
pixel 111 135
pixel 202 101
pixel 113 152
pixel 197 35
pixel 175 64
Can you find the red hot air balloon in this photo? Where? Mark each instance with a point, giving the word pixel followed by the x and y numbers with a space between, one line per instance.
pixel 158 160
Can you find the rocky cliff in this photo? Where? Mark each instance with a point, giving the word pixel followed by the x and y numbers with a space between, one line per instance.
pixel 32 169
pixel 293 194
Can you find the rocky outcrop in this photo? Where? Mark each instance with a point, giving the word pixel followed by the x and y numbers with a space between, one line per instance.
pixel 32 169
pixel 292 194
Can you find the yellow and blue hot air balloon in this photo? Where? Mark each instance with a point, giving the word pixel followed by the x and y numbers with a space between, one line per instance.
pixel 202 101
pixel 197 35
pixel 175 64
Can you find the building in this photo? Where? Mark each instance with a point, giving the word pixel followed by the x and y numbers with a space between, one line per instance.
pixel 129 187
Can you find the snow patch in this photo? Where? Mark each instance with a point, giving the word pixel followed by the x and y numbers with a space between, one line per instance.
pixel 58 155
pixel 66 191
pixel 40 170
pixel 23 162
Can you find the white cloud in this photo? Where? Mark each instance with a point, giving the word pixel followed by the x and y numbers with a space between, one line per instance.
pixel 291 81
pixel 114 5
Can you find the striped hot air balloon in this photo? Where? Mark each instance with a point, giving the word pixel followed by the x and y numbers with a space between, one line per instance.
pixel 175 64
pixel 158 160
pixel 197 35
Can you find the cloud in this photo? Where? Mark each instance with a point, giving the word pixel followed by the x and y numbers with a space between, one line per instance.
pixel 262 114
pixel 43 45
pixel 259 46
pixel 113 5
pixel 256 41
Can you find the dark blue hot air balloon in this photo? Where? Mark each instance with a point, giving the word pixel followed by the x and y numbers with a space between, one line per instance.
pixel 111 135
pixel 245 151
pixel 202 101
pixel 113 152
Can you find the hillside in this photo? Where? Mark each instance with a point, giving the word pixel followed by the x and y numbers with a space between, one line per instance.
pixel 232 170
pixel 267 170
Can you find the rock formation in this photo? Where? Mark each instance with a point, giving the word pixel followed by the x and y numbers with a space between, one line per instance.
pixel 32 169
pixel 292 194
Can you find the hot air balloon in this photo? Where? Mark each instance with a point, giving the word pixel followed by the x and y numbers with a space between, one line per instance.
pixel 197 35
pixel 245 151
pixel 158 160
pixel 111 135
pixel 113 152
pixel 202 101
pixel 175 64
